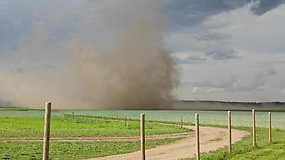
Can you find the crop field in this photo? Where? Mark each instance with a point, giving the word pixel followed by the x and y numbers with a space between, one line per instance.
pixel 239 118
pixel 77 127
pixel 21 132
pixel 21 137
pixel 72 150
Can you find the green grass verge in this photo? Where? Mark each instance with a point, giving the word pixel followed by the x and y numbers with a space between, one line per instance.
pixel 73 150
pixel 243 149
pixel 79 127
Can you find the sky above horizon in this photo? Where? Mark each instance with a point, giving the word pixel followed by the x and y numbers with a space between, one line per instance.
pixel 225 50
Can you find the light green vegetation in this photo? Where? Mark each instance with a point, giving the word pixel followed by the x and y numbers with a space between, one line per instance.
pixel 243 149
pixel 32 126
pixel 79 127
pixel 240 118
pixel 72 150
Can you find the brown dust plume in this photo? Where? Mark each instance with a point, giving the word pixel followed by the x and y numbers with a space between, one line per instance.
pixel 114 57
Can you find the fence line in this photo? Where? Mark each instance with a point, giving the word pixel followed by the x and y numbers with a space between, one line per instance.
pixel 142 131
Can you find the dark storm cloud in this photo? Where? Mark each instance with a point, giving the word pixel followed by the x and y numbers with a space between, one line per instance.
pixel 192 12
pixel 16 16
pixel 262 6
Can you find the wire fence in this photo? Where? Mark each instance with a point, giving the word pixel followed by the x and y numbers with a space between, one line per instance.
pixel 239 118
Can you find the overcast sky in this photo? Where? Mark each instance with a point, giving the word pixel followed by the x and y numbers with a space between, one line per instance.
pixel 226 50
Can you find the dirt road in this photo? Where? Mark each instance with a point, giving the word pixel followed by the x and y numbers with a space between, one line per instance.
pixel 211 138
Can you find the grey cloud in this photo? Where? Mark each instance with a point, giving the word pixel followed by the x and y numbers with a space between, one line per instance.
pixel 16 18
pixel 222 54
pixel 224 83
pixel 192 12
pixel 271 72
pixel 209 36
pixel 188 60
pixel 262 6
pixel 258 80
pixel 231 83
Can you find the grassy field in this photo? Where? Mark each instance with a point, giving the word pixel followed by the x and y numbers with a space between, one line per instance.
pixel 76 127
pixel 29 124
pixel 72 150
pixel 243 149
pixel 240 118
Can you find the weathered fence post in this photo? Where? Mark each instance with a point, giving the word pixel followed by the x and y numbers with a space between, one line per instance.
pixel 230 130
pixel 142 137
pixel 46 131
pixel 270 127
pixel 197 136
pixel 253 129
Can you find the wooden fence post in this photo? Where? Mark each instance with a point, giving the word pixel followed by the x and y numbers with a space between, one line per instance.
pixel 142 138
pixel 230 130
pixel 253 129
pixel 46 131
pixel 270 127
pixel 197 136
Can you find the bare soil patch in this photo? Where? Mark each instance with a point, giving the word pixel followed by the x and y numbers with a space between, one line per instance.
pixel 211 138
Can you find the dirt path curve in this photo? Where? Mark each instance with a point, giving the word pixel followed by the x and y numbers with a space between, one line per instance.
pixel 211 138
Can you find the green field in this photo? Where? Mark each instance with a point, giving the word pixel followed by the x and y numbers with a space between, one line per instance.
pixel 78 127
pixel 75 128
pixel 240 118
pixel 28 124
pixel 72 150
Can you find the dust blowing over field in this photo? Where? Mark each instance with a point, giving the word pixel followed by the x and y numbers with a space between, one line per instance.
pixel 112 56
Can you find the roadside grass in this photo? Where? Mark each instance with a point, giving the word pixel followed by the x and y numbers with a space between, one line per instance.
pixel 73 150
pixel 68 126
pixel 243 150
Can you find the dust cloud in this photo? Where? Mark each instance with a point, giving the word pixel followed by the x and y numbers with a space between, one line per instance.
pixel 83 55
